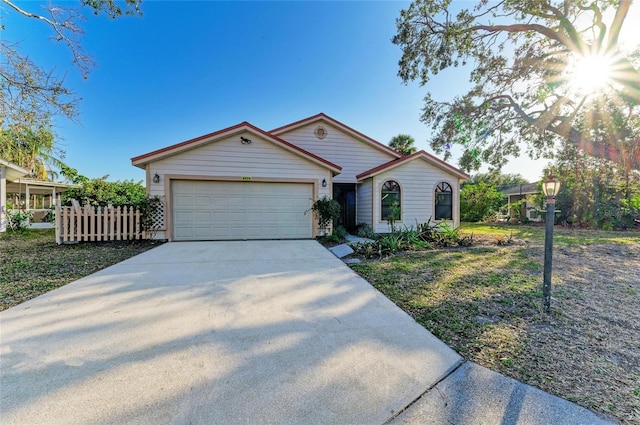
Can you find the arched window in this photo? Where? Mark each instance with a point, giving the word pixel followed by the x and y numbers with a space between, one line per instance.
pixel 444 201
pixel 389 199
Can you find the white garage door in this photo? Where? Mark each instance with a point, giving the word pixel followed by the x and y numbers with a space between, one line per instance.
pixel 212 210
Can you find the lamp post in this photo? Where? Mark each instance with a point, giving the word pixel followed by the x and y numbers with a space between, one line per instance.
pixel 550 188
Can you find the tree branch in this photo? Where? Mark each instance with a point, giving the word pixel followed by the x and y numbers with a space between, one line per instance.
pixel 618 20
pixel 516 28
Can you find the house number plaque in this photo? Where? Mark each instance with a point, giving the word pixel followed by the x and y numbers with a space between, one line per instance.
pixel 246 178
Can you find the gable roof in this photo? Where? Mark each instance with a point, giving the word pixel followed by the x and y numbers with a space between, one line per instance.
pixel 343 127
pixel 14 171
pixel 141 160
pixel 405 159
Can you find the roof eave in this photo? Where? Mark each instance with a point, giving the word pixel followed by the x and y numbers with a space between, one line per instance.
pixel 355 133
pixel 141 160
pixel 420 154
pixel 13 171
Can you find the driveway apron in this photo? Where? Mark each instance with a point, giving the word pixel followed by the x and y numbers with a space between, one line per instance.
pixel 254 332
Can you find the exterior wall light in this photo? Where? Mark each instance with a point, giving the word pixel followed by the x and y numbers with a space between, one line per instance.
pixel 550 188
pixel 156 178
pixel 324 182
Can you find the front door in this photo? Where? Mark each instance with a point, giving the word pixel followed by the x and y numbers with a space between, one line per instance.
pixel 345 194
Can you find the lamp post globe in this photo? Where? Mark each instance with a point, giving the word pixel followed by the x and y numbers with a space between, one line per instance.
pixel 550 188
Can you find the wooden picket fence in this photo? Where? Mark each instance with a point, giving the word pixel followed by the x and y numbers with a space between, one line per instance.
pixel 86 223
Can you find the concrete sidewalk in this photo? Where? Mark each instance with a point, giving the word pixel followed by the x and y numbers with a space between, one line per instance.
pixel 474 395
pixel 253 332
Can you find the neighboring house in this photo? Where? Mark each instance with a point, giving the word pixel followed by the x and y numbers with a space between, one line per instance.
pixel 524 193
pixel 9 172
pixel 246 183
pixel 36 196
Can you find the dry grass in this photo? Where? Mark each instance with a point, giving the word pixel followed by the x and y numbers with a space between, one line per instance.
pixel 31 263
pixel 485 302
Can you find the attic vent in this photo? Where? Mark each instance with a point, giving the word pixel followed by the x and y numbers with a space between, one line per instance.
pixel 320 132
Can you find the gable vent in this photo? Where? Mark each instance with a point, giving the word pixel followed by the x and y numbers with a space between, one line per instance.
pixel 320 132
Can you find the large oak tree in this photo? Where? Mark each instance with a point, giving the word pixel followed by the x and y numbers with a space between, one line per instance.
pixel 540 72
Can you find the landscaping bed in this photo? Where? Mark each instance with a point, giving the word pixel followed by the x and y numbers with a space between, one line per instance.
pixel 31 263
pixel 486 303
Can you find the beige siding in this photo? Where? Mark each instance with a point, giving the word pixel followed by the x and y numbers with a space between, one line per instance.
pixel 338 147
pixel 228 159
pixel 417 181
pixel 363 202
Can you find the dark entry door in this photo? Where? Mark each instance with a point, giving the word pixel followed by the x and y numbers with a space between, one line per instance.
pixel 345 194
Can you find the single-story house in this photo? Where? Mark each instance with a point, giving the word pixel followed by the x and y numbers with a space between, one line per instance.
pixel 36 196
pixel 9 172
pixel 526 208
pixel 243 182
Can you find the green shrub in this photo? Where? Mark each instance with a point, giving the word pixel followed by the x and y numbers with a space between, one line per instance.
pixel 326 211
pixel 479 201
pixel 392 243
pixel 150 207
pixel 365 231
pixel 340 232
pixel 18 221
pixel 366 249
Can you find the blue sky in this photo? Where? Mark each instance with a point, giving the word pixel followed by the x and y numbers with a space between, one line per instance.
pixel 185 69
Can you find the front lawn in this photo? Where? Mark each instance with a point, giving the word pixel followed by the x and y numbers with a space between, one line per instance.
pixel 562 236
pixel 485 302
pixel 31 263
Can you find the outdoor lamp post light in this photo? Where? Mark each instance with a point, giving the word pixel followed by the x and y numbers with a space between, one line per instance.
pixel 550 188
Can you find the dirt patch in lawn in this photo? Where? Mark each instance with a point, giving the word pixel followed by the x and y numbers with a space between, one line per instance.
pixel 32 263
pixel 485 302
pixel 589 351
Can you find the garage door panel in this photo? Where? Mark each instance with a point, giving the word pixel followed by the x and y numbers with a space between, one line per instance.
pixel 202 217
pixel 203 201
pixel 222 216
pixel 202 232
pixel 183 201
pixel 183 217
pixel 212 210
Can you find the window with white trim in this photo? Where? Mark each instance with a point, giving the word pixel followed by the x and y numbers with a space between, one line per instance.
pixel 444 201
pixel 390 196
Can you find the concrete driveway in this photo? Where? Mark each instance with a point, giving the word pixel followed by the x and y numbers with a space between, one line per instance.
pixel 277 332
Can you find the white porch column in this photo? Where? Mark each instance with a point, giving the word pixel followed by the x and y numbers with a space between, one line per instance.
pixel 26 198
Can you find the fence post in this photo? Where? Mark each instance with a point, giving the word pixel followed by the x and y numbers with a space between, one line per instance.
pixel 99 219
pixel 92 224
pixel 72 224
pixel 138 228
pixel 58 222
pixel 85 224
pixel 118 213
pixel 131 221
pixel 111 222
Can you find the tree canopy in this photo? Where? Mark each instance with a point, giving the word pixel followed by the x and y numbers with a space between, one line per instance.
pixel 541 72
pixel 593 193
pixel 403 143
pixel 31 95
pixel 499 180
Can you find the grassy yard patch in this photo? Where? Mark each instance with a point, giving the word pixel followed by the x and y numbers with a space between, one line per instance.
pixel 485 302
pixel 31 263
pixel 561 235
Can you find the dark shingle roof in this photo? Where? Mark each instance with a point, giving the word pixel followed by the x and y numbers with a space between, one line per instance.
pixel 522 189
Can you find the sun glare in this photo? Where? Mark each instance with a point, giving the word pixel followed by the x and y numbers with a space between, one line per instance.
pixel 590 74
